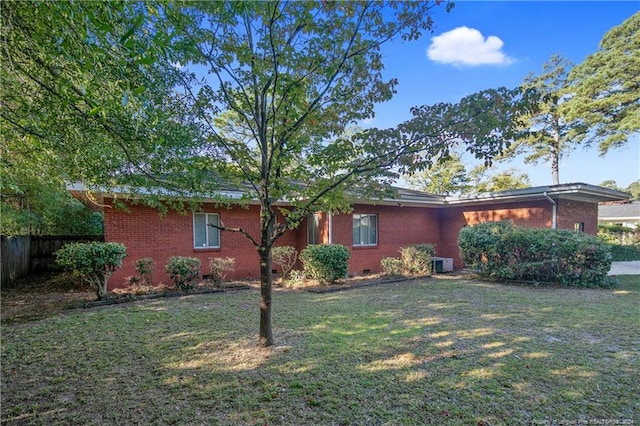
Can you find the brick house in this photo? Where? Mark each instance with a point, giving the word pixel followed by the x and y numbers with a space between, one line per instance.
pixel 373 230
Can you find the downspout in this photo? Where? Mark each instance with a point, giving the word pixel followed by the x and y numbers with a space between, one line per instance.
pixel 330 228
pixel 554 210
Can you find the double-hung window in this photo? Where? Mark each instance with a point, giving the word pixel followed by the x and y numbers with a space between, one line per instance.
pixel 204 235
pixel 365 229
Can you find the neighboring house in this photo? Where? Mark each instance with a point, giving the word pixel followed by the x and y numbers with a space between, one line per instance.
pixel 373 230
pixel 624 214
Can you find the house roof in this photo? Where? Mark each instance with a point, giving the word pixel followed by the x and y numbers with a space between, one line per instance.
pixel 410 197
pixel 622 212
pixel 568 191
pixel 571 191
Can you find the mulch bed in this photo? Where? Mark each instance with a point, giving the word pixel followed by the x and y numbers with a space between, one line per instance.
pixel 127 298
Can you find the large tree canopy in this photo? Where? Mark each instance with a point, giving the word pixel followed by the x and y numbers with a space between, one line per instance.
pixel 259 95
pixel 445 177
pixel 91 85
pixel 606 87
pixel 482 179
pixel 550 136
pixel 33 198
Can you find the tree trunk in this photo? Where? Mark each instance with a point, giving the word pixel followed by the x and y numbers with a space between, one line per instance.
pixel 555 152
pixel 555 172
pixel 266 279
pixel 100 287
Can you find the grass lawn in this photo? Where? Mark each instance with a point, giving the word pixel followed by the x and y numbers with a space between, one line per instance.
pixel 433 351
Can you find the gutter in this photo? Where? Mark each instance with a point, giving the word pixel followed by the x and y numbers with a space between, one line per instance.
pixel 554 209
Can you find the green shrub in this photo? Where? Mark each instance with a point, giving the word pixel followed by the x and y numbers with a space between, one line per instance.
pixel 220 267
pixel 326 263
pixel 285 257
pixel 392 266
pixel 94 262
pixel 144 268
pixel 500 250
pixel 183 271
pixel 623 253
pixel 416 259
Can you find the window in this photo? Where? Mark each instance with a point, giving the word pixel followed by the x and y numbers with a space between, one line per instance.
pixel 313 229
pixel 578 226
pixel 365 230
pixel 203 234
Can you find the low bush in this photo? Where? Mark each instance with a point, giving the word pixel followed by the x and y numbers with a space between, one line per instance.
pixel 326 263
pixel 144 268
pixel 94 262
pixel 220 267
pixel 183 271
pixel 413 260
pixel 295 279
pixel 285 257
pixel 416 259
pixel 392 266
pixel 500 250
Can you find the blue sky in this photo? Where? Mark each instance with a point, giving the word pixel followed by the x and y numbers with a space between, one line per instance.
pixel 505 42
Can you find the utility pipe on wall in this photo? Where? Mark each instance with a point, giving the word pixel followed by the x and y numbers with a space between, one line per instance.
pixel 554 210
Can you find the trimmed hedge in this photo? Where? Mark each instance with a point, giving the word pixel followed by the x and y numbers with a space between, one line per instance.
pixel 623 253
pixel 326 263
pixel 500 250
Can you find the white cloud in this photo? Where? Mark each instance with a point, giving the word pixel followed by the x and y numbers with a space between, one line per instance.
pixel 467 46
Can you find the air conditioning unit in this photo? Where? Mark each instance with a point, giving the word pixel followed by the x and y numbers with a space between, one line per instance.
pixel 441 264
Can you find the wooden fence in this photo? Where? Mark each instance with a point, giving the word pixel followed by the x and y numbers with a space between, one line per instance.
pixel 25 254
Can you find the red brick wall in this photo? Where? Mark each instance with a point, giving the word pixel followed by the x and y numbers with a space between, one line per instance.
pixel 570 212
pixel 397 227
pixel 146 233
pixel 532 214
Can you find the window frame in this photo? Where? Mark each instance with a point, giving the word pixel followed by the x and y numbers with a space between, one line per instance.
pixel 359 217
pixel 208 229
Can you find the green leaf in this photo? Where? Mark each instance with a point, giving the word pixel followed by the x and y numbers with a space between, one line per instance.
pixel 147 60
pixel 126 35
